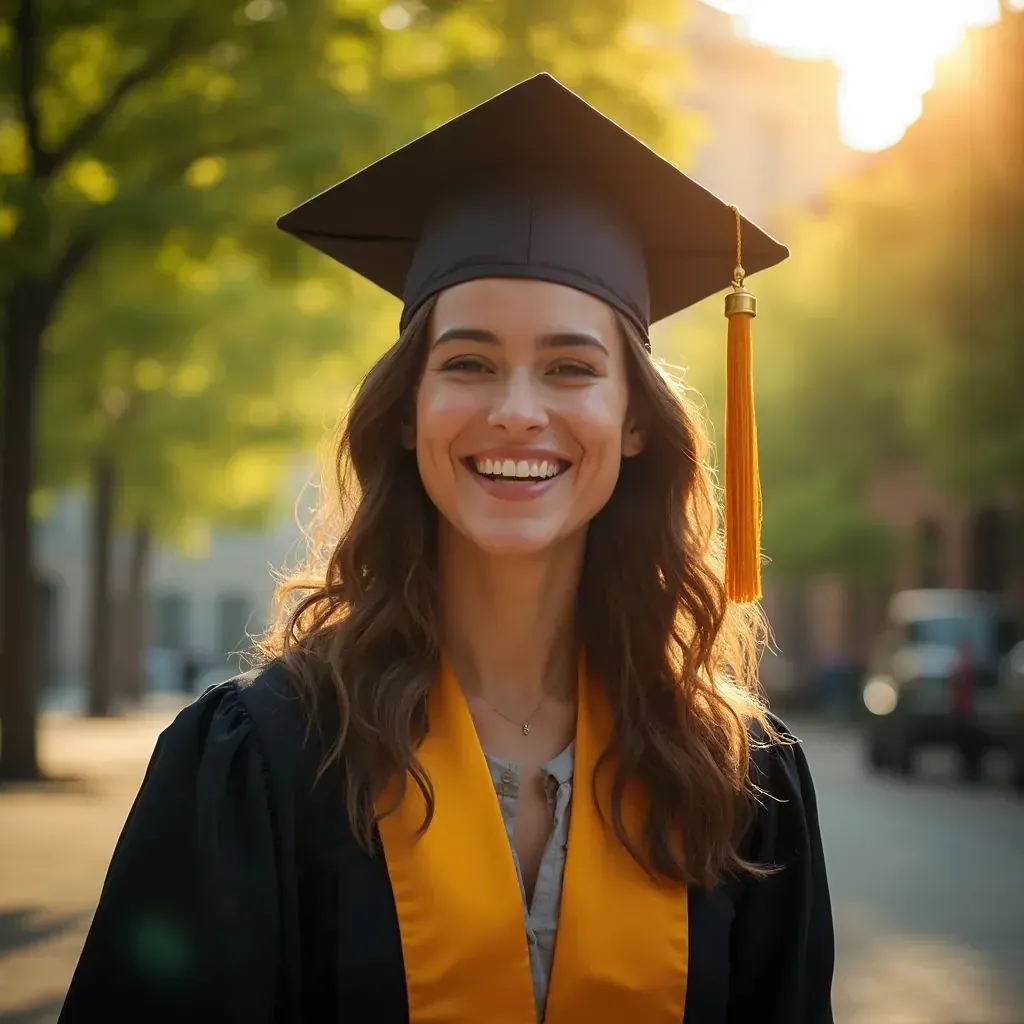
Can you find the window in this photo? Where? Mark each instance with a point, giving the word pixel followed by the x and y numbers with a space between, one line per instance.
pixel 1008 635
pixel 928 554
pixel 985 637
pixel 172 622
pixel 233 611
pixel 990 551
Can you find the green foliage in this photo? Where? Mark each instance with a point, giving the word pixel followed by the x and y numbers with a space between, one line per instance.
pixel 200 393
pixel 968 415
pixel 937 236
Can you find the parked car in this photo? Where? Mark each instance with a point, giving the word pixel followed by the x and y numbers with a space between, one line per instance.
pixel 939 676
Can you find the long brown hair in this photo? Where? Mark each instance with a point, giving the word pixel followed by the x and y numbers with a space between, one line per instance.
pixel 359 625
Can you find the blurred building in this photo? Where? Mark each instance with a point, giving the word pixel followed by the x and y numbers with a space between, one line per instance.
pixel 200 611
pixel 941 542
pixel 769 140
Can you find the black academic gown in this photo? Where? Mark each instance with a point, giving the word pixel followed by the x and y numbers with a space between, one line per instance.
pixel 237 893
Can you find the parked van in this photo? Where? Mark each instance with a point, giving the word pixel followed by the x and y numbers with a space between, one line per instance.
pixel 939 676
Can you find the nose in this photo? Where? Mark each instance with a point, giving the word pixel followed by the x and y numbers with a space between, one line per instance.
pixel 518 406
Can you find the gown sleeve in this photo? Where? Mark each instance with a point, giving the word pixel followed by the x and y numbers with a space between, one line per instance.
pixel 783 947
pixel 189 905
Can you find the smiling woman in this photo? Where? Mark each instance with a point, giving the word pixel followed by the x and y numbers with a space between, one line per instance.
pixel 506 760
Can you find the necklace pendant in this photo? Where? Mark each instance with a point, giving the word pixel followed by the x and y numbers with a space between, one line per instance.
pixel 526 728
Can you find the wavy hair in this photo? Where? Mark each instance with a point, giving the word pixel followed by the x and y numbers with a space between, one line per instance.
pixel 358 625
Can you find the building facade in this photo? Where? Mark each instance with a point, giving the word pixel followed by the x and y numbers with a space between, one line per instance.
pixel 200 609
pixel 769 139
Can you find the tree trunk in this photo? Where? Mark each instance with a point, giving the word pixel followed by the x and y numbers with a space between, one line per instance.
pixel 24 319
pixel 134 624
pixel 101 689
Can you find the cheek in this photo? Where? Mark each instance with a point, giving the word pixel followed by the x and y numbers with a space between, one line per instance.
pixel 597 421
pixel 441 414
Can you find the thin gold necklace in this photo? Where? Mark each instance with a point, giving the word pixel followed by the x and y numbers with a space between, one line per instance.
pixel 525 726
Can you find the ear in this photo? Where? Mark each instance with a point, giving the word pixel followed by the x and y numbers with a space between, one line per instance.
pixel 633 438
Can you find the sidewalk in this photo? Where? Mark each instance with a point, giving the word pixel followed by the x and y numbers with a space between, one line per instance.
pixel 55 843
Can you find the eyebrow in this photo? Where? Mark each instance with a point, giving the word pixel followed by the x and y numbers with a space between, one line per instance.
pixel 554 339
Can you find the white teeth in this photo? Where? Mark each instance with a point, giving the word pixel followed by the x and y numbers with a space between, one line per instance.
pixel 517 470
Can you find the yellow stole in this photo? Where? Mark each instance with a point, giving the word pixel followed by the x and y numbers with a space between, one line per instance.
pixel 622 945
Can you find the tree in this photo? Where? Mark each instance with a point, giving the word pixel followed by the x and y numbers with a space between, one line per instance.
pixel 79 152
pixel 893 334
pixel 192 415
pixel 125 128
pixel 967 411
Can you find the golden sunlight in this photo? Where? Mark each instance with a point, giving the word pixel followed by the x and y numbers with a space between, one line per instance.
pixel 885 49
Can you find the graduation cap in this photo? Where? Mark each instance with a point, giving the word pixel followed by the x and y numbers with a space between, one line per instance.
pixel 536 183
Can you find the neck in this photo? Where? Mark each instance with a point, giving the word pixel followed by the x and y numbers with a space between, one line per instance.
pixel 509 621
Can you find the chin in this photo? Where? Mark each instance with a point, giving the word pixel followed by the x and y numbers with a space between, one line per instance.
pixel 520 539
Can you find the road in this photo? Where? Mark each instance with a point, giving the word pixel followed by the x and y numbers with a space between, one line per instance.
pixel 927 880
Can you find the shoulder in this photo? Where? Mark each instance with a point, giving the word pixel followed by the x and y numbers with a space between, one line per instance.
pixel 271 702
pixel 263 695
pixel 785 801
pixel 258 713
pixel 774 749
pixel 782 942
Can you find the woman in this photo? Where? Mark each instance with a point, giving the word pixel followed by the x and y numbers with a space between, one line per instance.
pixel 505 761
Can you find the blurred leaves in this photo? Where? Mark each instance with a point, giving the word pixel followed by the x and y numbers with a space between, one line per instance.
pixel 198 389
pixel 954 239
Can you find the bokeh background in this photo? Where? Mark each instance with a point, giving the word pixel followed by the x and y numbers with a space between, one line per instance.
pixel 172 364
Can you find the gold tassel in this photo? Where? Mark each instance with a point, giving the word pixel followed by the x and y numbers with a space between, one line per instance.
pixel 742 480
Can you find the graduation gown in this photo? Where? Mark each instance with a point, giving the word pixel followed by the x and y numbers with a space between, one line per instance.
pixel 236 891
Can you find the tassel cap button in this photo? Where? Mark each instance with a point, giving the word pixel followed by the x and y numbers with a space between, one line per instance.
pixel 740 301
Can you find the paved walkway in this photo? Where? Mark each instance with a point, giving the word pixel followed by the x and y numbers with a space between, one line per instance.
pixel 55 843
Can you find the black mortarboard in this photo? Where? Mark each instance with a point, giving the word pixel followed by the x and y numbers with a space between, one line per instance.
pixel 536 183
pixel 533 183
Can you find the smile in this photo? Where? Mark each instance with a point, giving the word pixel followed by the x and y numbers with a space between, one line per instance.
pixel 526 470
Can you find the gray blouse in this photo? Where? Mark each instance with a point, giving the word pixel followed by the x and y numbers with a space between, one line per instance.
pixel 540 915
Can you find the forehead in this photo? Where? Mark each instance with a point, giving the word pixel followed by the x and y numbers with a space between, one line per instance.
pixel 512 307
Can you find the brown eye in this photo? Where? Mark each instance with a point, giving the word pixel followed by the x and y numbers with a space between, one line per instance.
pixel 573 370
pixel 465 364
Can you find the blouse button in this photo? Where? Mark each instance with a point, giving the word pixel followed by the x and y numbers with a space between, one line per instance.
pixel 507 778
